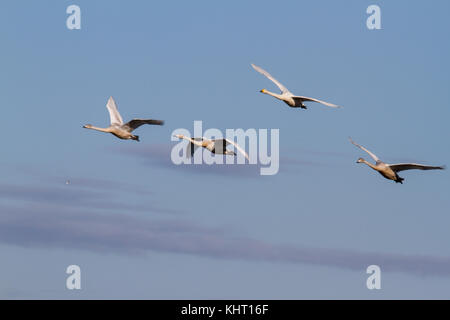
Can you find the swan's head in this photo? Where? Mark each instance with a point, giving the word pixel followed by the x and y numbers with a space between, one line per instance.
pixel 179 136
pixel 360 160
pixel 87 126
pixel 263 91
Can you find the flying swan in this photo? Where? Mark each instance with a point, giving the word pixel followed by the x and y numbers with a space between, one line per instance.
pixel 217 146
pixel 389 171
pixel 118 128
pixel 288 97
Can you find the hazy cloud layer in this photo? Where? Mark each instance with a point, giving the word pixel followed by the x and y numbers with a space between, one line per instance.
pixel 61 227
pixel 86 214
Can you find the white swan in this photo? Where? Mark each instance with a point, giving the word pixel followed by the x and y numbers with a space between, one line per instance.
pixel 217 146
pixel 118 128
pixel 389 171
pixel 288 97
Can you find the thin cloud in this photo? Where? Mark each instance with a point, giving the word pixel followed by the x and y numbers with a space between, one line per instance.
pixel 102 184
pixel 159 155
pixel 80 182
pixel 73 197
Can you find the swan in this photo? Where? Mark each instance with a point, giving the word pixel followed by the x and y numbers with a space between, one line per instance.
pixel 217 146
pixel 389 171
pixel 118 128
pixel 288 97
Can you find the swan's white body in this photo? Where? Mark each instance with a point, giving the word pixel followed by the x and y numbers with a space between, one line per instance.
pixel 389 171
pixel 288 97
pixel 217 146
pixel 118 128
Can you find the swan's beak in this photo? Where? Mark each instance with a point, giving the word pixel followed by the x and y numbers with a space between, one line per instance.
pixel 263 91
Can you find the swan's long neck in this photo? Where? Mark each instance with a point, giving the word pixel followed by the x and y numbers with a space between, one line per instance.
pixel 275 95
pixel 99 129
pixel 193 141
pixel 370 165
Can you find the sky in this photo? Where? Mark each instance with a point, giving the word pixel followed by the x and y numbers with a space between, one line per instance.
pixel 141 227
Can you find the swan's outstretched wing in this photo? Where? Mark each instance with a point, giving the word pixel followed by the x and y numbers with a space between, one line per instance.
pixel 301 98
pixel 114 114
pixel 238 148
pixel 409 166
pixel 136 123
pixel 265 73
pixel 374 157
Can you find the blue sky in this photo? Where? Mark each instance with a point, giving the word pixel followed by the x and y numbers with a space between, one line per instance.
pixel 140 227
